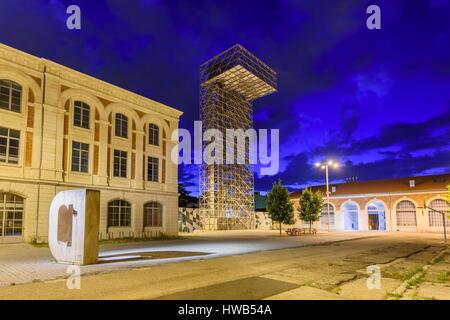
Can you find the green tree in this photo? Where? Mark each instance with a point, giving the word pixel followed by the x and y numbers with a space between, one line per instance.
pixel 279 207
pixel 183 195
pixel 311 204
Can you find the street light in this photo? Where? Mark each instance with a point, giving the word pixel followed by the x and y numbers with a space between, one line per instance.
pixel 325 165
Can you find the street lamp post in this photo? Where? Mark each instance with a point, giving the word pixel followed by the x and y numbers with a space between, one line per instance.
pixel 325 166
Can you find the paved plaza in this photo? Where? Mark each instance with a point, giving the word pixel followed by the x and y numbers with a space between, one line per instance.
pixel 240 265
pixel 22 263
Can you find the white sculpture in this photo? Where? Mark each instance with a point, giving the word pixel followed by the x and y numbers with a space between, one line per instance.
pixel 73 226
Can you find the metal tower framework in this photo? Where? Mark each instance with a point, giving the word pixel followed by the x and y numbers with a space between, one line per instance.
pixel 230 82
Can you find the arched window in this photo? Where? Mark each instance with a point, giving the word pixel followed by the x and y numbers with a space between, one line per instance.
pixel 10 95
pixel 152 214
pixel 11 214
pixel 81 114
pixel 376 215
pixel 153 134
pixel 121 125
pixel 119 213
pixel 435 218
pixel 406 214
pixel 324 216
pixel 350 213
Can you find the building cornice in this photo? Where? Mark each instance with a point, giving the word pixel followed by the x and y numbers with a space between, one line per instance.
pixel 85 81
pixel 21 58
pixel 381 194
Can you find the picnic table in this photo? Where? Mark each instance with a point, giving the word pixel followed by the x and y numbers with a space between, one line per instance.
pixel 299 231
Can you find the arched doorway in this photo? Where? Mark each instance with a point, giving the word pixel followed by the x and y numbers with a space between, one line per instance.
pixel 377 215
pixel 350 213
pixel 11 215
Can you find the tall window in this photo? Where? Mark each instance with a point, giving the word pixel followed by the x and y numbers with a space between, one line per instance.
pixel 152 214
pixel 11 214
pixel 153 134
pixel 80 157
pixel 10 95
pixel 119 213
pixel 435 218
pixel 324 216
pixel 9 145
pixel 120 163
pixel 81 112
pixel 152 169
pixel 121 125
pixel 406 214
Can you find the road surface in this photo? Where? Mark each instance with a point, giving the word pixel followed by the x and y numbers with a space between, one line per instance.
pixel 336 270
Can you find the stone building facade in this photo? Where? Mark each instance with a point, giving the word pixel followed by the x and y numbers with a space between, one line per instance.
pixel 61 129
pixel 392 205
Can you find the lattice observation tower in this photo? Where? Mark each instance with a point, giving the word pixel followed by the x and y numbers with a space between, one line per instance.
pixel 229 83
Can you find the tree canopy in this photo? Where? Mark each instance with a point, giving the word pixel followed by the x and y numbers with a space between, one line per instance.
pixel 311 204
pixel 279 207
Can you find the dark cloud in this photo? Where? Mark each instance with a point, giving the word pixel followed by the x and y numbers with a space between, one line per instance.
pixel 344 91
pixel 430 138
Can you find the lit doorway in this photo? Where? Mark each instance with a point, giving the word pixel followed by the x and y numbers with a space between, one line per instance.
pixel 377 216
pixel 350 212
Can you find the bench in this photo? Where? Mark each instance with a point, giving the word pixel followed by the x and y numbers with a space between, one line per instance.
pixel 299 231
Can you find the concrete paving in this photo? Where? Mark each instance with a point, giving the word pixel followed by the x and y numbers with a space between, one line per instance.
pixel 23 263
pixel 329 266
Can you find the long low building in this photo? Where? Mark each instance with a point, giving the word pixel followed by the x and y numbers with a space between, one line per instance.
pixel 61 129
pixel 394 205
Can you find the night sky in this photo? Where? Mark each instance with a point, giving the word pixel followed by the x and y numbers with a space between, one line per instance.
pixel 378 101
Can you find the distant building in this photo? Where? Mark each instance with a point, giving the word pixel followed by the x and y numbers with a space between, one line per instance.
pixel 260 202
pixel 263 221
pixel 391 204
pixel 187 202
pixel 61 129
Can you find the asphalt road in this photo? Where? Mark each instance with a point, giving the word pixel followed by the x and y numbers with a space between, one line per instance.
pixel 322 271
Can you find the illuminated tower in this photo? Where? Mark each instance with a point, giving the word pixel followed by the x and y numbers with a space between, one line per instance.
pixel 229 83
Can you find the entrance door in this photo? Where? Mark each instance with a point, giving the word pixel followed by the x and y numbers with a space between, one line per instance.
pixel 11 215
pixel 376 215
pixel 350 212
pixel 373 222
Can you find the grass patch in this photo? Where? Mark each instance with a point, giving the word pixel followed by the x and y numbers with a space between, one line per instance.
pixel 132 239
pixel 403 275
pixel 438 259
pixel 37 244
pixel 444 276
pixel 415 282
pixel 394 296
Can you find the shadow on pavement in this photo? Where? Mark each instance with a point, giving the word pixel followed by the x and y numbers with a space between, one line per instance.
pixel 147 255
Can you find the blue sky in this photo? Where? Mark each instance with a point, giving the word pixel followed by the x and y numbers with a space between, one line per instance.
pixel 376 100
